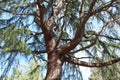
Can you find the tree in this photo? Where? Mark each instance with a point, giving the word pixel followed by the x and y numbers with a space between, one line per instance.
pixel 31 72
pixel 106 73
pixel 60 29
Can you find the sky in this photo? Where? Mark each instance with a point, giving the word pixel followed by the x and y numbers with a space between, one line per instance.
pixel 85 70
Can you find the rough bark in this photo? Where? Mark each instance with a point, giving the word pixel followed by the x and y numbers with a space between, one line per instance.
pixel 54 66
pixel 55 53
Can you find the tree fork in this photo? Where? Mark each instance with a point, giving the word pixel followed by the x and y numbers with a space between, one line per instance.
pixel 55 60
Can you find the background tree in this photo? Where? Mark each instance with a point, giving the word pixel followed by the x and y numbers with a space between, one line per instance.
pixel 31 72
pixel 55 30
pixel 106 73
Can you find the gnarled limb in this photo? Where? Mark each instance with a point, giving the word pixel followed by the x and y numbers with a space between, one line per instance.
pixel 89 64
pixel 80 30
pixel 41 21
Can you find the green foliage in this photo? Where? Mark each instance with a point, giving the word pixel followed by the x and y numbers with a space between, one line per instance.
pixel 31 72
pixel 106 73
pixel 1 35
pixel 19 33
pixel 14 40
pixel 72 13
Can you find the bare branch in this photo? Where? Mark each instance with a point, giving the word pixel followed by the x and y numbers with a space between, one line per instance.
pixel 59 38
pixel 42 11
pixel 42 21
pixel 82 9
pixel 39 52
pixel 79 33
pixel 83 48
pixel 109 37
pixel 91 6
pixel 79 58
pixel 115 17
pixel 89 64
pixel 17 51
pixel 10 59
pixel 105 7
pixel 40 58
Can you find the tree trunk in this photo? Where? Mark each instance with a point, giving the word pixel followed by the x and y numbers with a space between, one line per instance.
pixel 54 66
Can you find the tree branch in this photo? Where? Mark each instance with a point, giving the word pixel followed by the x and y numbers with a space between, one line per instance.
pixel 61 33
pixel 82 9
pixel 42 21
pixel 39 52
pixel 91 6
pixel 34 52
pixel 40 57
pixel 83 48
pixel 79 33
pixel 109 37
pixel 105 7
pixel 89 64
